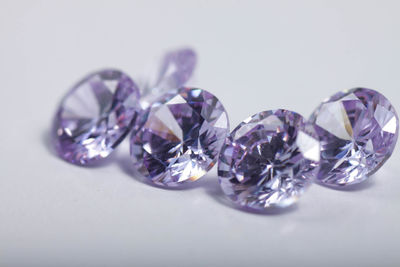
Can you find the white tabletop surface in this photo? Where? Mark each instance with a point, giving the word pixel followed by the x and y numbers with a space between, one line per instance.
pixel 253 55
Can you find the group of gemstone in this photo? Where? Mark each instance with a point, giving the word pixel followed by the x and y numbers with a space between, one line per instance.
pixel 267 161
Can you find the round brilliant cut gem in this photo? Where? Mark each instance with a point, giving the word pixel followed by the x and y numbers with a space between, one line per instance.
pixel 181 137
pixel 358 130
pixel 269 160
pixel 95 116
pixel 176 69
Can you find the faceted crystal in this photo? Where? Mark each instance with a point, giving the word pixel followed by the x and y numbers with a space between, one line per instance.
pixel 358 130
pixel 269 160
pixel 181 137
pixel 175 70
pixel 95 115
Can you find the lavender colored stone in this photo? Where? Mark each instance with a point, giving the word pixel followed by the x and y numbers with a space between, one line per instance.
pixel 358 130
pixel 175 70
pixel 269 160
pixel 181 137
pixel 94 116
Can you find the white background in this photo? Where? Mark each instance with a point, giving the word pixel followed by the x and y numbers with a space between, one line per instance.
pixel 253 55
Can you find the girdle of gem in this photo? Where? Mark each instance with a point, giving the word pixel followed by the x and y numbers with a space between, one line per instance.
pixel 269 160
pixel 181 137
pixel 94 116
pixel 358 130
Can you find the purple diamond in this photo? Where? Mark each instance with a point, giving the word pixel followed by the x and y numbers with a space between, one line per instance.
pixel 94 117
pixel 358 130
pixel 175 70
pixel 181 137
pixel 269 160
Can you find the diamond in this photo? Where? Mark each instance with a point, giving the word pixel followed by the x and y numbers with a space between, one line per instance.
pixel 175 70
pixel 181 137
pixel 94 116
pixel 358 130
pixel 269 160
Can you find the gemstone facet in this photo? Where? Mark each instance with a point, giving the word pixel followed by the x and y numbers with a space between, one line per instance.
pixel 269 160
pixel 94 116
pixel 358 130
pixel 181 137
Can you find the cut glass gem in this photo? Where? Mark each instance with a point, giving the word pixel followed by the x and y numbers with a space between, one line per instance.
pixel 181 137
pixel 358 130
pixel 269 160
pixel 94 116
